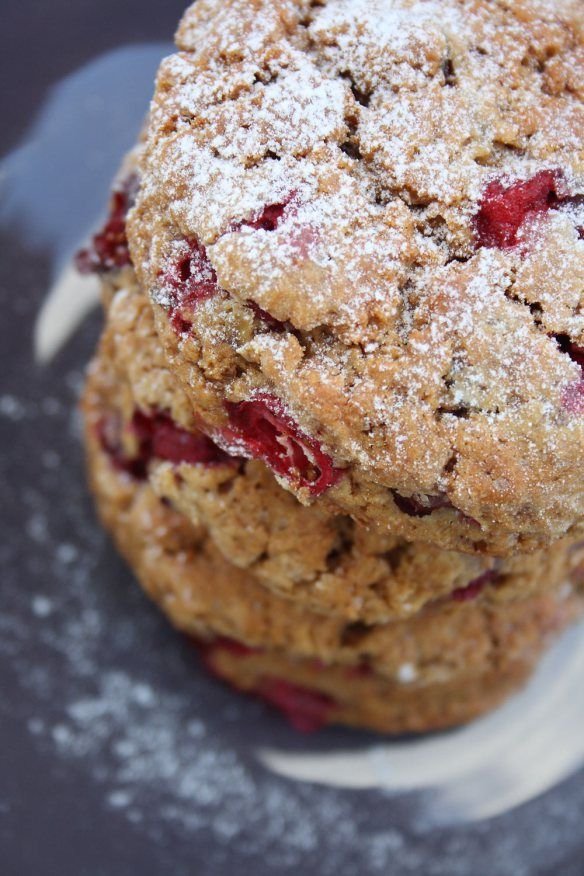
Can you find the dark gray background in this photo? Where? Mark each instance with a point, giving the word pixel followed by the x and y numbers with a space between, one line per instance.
pixel 57 813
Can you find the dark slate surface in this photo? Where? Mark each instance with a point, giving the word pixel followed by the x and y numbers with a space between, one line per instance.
pixel 117 756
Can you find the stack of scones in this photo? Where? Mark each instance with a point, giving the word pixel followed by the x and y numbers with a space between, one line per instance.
pixel 336 417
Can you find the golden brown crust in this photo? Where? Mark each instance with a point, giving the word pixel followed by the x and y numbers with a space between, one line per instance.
pixel 324 562
pixel 406 346
pixel 373 702
pixel 359 249
pixel 183 570
pixel 443 667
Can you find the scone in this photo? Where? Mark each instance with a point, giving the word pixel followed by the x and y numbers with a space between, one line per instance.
pixel 445 666
pixel 360 225
pixel 325 562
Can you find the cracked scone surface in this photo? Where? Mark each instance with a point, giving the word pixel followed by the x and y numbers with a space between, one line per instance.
pixel 361 227
pixel 443 667
pixel 322 561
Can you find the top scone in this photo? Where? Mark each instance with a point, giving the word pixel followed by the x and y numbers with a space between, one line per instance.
pixel 361 223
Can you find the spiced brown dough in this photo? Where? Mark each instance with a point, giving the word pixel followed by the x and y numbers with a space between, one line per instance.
pixel 447 665
pixel 324 562
pixel 361 227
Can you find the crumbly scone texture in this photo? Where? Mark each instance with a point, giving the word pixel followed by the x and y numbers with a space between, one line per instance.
pixel 372 213
pixel 324 562
pixel 312 696
pixel 443 667
pixel 448 637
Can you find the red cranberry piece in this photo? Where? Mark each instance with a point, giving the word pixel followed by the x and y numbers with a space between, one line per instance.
pixel 193 279
pixel 265 431
pixel 474 588
pixel 570 349
pixel 360 670
pixel 274 324
pixel 109 247
pixel 577 354
pixel 306 710
pixel 268 219
pixel 161 438
pixel 188 281
pixel 237 649
pixel 208 651
pixel 108 433
pixel 504 208
pixel 420 506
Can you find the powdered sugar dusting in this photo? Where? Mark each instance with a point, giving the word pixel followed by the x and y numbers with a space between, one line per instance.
pixel 121 720
pixel 383 127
